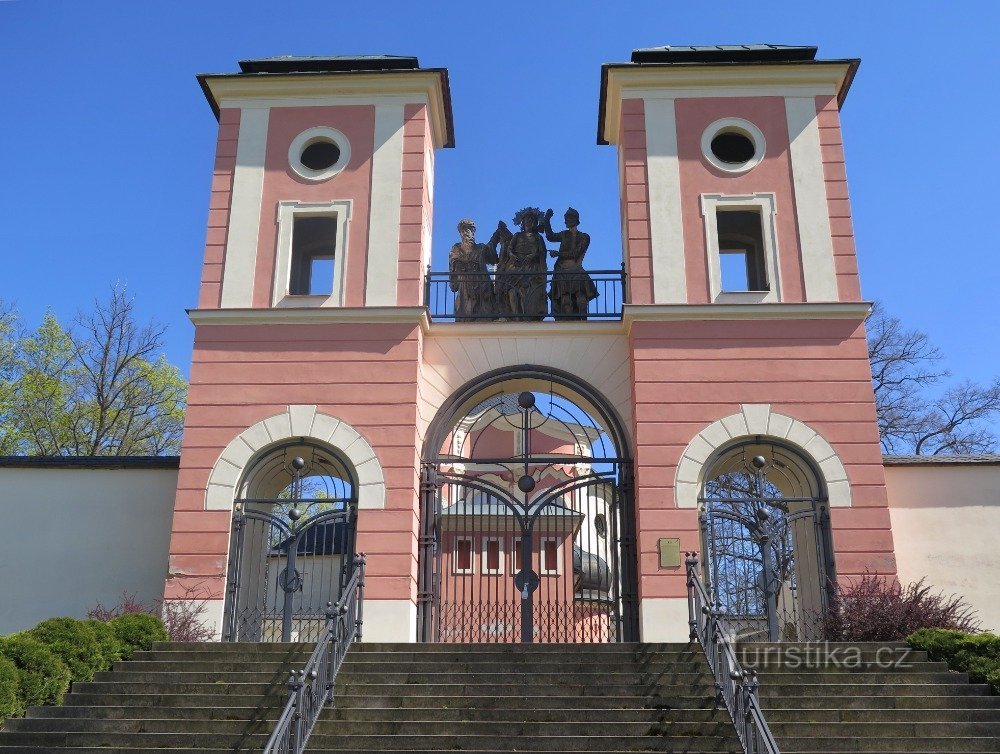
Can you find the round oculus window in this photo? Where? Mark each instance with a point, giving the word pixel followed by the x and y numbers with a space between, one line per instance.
pixel 319 153
pixel 733 145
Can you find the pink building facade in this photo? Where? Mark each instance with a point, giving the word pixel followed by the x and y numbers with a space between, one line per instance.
pixel 741 337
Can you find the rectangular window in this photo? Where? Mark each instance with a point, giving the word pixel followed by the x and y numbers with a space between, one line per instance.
pixel 515 555
pixel 741 251
pixel 492 556
pixel 462 555
pixel 741 248
pixel 314 241
pixel 550 556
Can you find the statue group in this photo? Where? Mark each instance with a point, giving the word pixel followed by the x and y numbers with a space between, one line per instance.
pixel 516 291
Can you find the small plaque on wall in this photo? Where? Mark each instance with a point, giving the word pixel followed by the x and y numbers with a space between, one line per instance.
pixel 670 553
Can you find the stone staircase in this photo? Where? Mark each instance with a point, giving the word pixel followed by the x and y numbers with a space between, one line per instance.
pixel 824 698
pixel 433 697
pixel 218 698
pixel 210 698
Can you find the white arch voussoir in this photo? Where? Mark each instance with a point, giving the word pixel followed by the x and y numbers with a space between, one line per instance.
pixel 751 420
pixel 296 422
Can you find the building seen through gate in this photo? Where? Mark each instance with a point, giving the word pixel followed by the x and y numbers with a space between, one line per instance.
pixel 523 453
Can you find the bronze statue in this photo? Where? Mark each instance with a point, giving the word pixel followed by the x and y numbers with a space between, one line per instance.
pixel 572 288
pixel 520 285
pixel 469 276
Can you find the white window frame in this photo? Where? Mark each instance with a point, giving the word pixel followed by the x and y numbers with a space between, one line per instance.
pixel 541 556
pixel 310 136
pixel 454 555
pixel 499 570
pixel 288 211
pixel 766 205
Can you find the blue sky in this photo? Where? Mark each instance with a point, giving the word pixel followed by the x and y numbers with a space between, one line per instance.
pixel 107 142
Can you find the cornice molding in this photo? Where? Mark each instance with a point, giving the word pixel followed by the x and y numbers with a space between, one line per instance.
pixel 629 81
pixel 415 315
pixel 428 87
pixel 688 312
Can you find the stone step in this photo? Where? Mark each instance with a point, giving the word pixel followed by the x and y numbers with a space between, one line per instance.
pixel 786 678
pixel 932 698
pixel 877 715
pixel 591 743
pixel 888 745
pixel 799 690
pixel 884 729
pixel 520 678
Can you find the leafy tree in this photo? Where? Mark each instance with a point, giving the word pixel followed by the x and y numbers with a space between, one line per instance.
pixel 905 365
pixel 100 387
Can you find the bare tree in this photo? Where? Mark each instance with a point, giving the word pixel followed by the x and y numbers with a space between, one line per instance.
pixel 905 365
pixel 101 387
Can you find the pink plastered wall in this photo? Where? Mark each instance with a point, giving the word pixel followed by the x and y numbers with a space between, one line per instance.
pixel 690 374
pixel 772 175
pixel 415 205
pixel 218 209
pixel 635 201
pixel 281 183
pixel 364 374
pixel 837 199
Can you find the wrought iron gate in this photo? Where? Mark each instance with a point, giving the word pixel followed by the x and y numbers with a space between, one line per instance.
pixel 765 530
pixel 289 559
pixel 537 547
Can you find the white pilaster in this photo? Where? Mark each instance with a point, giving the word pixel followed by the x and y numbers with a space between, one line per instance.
pixel 815 238
pixel 664 181
pixel 383 228
pixel 244 210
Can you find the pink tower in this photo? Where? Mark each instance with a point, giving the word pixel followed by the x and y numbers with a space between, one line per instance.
pixel 523 453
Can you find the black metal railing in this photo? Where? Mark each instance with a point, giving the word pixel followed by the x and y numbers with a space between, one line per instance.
pixel 311 689
pixel 735 688
pixel 524 297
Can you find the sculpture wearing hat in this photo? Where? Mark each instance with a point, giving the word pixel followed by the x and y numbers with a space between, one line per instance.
pixel 572 288
pixel 469 276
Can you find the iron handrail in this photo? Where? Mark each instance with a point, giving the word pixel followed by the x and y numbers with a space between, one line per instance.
pixel 735 688
pixel 311 689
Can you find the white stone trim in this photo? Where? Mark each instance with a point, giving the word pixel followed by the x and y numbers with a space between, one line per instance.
pixel 287 212
pixel 743 311
pixel 809 182
pixel 666 228
pixel 766 204
pixel 733 125
pixel 308 316
pixel 390 621
pixel 310 136
pixel 663 619
pixel 296 421
pixel 386 201
pixel 758 419
pixel 244 209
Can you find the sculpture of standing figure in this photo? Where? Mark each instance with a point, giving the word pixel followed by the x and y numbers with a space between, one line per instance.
pixel 572 288
pixel 521 271
pixel 469 276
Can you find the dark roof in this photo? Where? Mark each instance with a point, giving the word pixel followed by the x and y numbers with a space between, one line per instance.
pixel 90 462
pixel 755 53
pixel 952 460
pixel 329 64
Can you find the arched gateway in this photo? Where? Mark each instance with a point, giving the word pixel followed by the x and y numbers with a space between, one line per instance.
pixel 527 530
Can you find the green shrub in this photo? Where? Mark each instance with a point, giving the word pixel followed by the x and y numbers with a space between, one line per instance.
pixel 137 631
pixel 10 705
pixel 74 642
pixel 43 678
pixel 939 643
pixel 975 654
pixel 111 648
